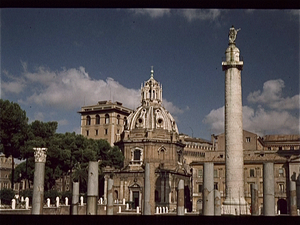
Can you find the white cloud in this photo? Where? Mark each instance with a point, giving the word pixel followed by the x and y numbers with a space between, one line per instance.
pixel 200 14
pixel 12 87
pixel 271 96
pixel 38 116
pixel 189 14
pixel 63 122
pixel 259 121
pixel 153 13
pixel 215 119
pixel 69 89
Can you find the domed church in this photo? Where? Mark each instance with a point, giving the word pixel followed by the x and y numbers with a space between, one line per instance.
pixel 150 136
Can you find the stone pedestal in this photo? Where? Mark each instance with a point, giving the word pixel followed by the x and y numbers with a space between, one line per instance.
pixel 268 195
pixel 39 179
pixel 92 189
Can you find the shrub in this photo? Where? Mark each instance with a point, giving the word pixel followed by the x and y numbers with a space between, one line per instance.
pixel 27 193
pixel 6 195
pixel 65 194
pixel 52 194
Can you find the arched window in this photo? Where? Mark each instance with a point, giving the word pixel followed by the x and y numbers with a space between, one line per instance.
pixel 88 120
pixel 106 119
pixel 97 119
pixel 118 119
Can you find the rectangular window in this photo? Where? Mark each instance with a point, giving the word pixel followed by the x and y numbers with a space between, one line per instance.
pixel 248 139
pixel 105 131
pixel 281 187
pixel 200 188
pixel 216 186
pixel 280 172
pixel 215 173
pixel 252 172
pixel 96 132
pixel 87 133
pixel 200 173
pixel 280 148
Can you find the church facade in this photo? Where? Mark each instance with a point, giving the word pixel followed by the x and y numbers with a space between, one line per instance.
pixel 150 136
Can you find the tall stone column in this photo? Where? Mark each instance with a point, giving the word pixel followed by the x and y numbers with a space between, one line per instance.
pixel 75 198
pixel 180 198
pixel 105 188
pixel 217 209
pixel 162 187
pixel 293 198
pixel 110 200
pixel 208 189
pixel 298 191
pixel 92 189
pixel 234 162
pixel 39 180
pixel 268 195
pixel 147 190
pixel 254 200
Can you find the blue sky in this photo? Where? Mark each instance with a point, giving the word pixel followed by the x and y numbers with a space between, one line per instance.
pixel 53 61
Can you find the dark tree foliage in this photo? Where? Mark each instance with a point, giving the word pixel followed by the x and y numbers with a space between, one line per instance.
pixel 6 195
pixel 67 154
pixel 13 131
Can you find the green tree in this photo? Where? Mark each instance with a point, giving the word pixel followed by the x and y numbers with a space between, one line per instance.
pixel 13 131
pixel 6 195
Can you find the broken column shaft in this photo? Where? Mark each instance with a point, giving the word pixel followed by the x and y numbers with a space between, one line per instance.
pixel 269 200
pixel 208 189
pixel 110 201
pixel 39 180
pixel 180 198
pixel 92 189
pixel 75 198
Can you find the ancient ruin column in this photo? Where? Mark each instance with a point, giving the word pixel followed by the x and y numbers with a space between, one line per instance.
pixel 208 189
pixel 234 162
pixel 75 198
pixel 298 191
pixel 180 198
pixel 254 200
pixel 110 200
pixel 162 187
pixel 293 198
pixel 147 190
pixel 92 189
pixel 39 179
pixel 269 199
pixel 105 189
pixel 217 202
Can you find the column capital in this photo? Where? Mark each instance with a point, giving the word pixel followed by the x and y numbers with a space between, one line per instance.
pixel 40 154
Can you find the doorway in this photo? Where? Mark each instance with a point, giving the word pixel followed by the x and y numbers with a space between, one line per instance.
pixel 135 199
